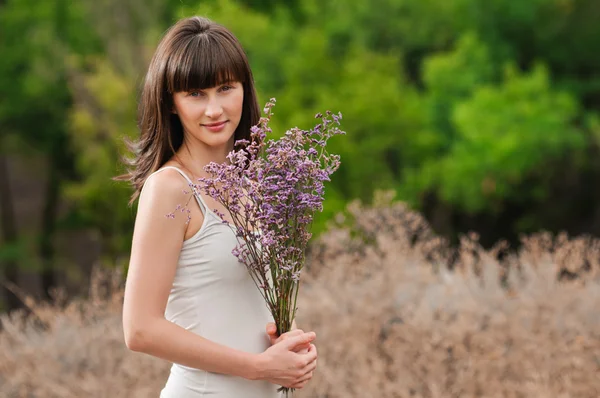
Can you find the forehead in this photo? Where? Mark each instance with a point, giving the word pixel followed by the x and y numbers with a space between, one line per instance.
pixel 205 63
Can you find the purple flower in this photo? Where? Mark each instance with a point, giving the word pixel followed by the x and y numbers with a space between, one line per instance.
pixel 272 188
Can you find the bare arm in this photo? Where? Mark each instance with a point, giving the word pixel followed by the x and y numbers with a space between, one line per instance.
pixel 157 241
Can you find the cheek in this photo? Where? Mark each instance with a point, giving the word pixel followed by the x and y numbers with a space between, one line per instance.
pixel 237 103
pixel 188 111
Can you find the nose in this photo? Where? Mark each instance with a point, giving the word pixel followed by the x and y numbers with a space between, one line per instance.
pixel 213 108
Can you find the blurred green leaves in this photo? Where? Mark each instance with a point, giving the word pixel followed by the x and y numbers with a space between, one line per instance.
pixel 492 132
pixel 478 104
pixel 507 132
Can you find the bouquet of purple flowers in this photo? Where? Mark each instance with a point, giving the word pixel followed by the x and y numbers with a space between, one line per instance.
pixel 272 188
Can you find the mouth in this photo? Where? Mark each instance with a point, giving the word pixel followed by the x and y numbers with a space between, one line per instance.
pixel 215 127
pixel 217 124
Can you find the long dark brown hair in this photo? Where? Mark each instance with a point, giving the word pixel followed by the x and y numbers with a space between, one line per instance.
pixel 194 54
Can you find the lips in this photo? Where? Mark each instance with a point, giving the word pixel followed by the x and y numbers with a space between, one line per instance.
pixel 215 124
pixel 215 127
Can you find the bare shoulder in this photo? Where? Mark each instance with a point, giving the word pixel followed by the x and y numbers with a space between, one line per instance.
pixel 165 187
pixel 164 193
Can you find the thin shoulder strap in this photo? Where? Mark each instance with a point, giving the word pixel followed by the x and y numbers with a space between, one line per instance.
pixel 199 199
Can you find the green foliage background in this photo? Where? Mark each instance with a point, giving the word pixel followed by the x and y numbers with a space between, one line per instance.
pixel 482 114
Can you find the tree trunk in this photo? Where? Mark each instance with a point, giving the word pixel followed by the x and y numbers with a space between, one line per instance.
pixel 48 226
pixel 9 267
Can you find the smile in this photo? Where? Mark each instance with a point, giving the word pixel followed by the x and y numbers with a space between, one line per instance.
pixel 215 127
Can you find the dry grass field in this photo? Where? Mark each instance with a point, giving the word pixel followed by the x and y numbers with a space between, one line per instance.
pixel 394 318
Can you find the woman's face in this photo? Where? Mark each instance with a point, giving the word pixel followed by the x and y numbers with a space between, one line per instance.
pixel 210 115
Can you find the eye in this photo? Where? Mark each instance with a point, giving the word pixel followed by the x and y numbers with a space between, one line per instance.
pixel 227 87
pixel 196 94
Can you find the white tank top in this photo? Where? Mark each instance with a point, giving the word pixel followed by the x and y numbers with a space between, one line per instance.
pixel 214 296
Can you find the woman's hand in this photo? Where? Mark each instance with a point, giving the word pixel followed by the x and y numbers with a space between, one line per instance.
pixel 281 363
pixel 274 338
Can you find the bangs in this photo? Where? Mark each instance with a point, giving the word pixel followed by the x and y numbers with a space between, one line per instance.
pixel 205 62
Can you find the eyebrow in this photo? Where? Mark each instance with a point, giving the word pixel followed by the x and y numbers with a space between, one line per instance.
pixel 206 88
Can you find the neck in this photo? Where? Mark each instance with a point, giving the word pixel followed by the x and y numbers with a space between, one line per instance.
pixel 195 155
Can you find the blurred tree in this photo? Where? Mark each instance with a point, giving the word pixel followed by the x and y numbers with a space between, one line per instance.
pixel 404 73
pixel 455 50
pixel 34 90
pixel 50 49
pixel 496 135
pixel 105 90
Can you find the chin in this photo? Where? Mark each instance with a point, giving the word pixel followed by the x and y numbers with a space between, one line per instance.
pixel 218 140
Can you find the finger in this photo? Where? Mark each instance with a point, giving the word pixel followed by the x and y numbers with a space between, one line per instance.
pixel 310 367
pixel 296 332
pixel 304 378
pixel 302 349
pixel 287 335
pixel 271 328
pixel 292 342
pixel 299 386
pixel 311 355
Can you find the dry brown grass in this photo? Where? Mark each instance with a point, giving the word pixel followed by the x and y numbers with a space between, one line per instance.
pixel 75 349
pixel 391 321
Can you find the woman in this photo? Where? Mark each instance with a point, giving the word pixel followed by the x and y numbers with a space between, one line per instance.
pixel 187 298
